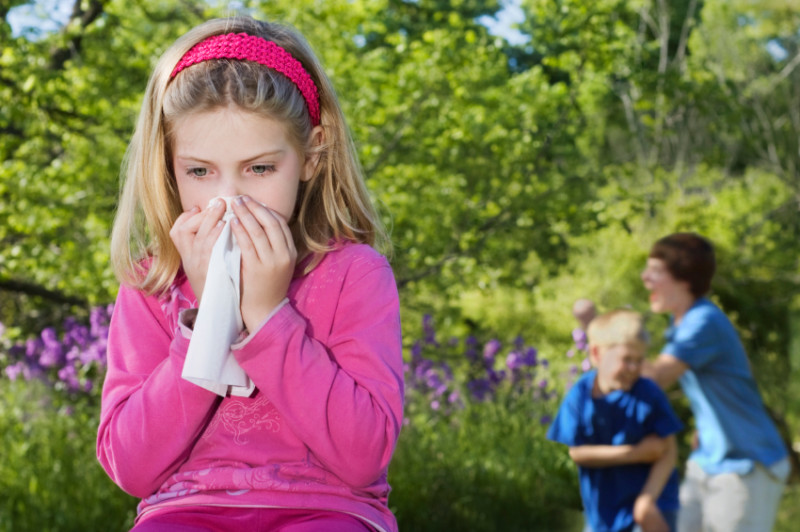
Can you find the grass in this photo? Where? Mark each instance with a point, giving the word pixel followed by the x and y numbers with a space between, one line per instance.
pixel 49 478
pixel 488 468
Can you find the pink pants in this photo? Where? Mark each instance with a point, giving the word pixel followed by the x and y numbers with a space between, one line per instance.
pixel 229 518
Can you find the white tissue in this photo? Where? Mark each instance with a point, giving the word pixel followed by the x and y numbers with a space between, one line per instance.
pixel 209 361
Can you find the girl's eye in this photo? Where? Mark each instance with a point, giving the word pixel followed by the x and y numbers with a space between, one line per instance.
pixel 262 168
pixel 198 172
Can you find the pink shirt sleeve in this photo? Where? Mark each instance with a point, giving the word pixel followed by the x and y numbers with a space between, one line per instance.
pixel 149 416
pixel 344 398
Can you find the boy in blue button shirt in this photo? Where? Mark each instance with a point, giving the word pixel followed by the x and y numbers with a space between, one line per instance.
pixel 620 430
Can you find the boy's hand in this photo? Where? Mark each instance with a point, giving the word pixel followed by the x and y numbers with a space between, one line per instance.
pixel 650 448
pixel 648 516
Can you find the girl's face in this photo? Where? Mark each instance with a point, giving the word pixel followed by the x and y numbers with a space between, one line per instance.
pixel 666 292
pixel 231 152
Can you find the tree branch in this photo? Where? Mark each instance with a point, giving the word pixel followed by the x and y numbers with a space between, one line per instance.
pixel 59 56
pixel 31 289
pixel 684 38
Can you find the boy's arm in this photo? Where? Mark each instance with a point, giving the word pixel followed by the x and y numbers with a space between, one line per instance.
pixel 665 370
pixel 650 449
pixel 645 509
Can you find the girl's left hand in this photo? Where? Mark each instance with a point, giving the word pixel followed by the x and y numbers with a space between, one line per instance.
pixel 268 259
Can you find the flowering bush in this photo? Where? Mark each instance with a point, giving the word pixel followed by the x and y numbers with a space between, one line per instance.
pixel 477 409
pixel 442 378
pixel 73 362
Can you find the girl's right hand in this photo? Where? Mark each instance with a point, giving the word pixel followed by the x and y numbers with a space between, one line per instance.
pixel 194 234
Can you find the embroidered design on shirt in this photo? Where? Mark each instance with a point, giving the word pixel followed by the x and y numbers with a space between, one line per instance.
pixel 242 416
pixel 173 303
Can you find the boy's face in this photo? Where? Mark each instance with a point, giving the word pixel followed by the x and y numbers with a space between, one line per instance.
pixel 666 292
pixel 618 366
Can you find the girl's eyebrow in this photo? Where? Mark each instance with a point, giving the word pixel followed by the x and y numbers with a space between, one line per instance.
pixel 266 154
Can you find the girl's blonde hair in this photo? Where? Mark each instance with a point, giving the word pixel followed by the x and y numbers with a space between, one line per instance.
pixel 333 205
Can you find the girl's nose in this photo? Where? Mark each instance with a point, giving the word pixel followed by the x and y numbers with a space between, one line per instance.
pixel 229 188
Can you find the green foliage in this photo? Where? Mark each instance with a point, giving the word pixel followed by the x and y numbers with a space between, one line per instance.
pixel 491 469
pixel 515 179
pixel 49 476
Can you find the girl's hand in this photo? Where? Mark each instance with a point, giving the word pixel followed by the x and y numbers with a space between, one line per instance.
pixel 268 259
pixel 194 234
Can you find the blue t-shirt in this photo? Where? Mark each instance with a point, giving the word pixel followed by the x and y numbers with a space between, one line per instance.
pixel 618 418
pixel 733 426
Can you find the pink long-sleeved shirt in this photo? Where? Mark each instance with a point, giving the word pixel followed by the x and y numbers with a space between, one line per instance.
pixel 320 429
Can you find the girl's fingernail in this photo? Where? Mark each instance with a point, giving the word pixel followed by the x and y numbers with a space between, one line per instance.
pixel 239 200
pixel 235 220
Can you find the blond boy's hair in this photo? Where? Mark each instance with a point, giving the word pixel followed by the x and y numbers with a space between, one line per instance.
pixel 332 206
pixel 618 327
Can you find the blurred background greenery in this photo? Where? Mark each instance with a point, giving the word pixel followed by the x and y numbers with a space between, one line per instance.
pixel 518 171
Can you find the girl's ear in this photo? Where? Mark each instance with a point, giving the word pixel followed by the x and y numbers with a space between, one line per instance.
pixel 316 144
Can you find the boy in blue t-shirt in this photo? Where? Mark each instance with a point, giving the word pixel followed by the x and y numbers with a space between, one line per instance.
pixel 620 430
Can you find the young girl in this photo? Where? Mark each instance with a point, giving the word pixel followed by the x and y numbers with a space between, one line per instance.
pixel 239 108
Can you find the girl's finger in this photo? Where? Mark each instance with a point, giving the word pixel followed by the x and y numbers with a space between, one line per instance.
pixel 185 226
pixel 273 224
pixel 210 220
pixel 258 233
pixel 243 239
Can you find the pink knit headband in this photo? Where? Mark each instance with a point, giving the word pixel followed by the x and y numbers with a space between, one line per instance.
pixel 246 47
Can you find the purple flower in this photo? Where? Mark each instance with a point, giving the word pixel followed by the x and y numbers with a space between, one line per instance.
pixel 570 353
pixel 491 348
pixel 496 377
pixel 50 338
pixel 546 419
pixel 50 356
pixel 514 361
pixel 430 332
pixel 69 376
pixel 15 370
pixel 454 397
pixel 422 368
pixel 98 320
pixel 416 350
pixel 530 356
pixel 432 379
pixel 586 365
pixel 60 361
pixel 479 388
pixel 519 343
pixel 579 337
pixel 32 347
